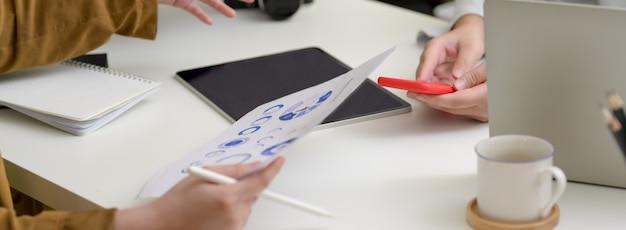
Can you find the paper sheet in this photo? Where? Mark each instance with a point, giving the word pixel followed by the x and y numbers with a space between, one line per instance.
pixel 264 132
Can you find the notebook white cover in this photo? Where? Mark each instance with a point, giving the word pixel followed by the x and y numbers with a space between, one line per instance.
pixel 73 95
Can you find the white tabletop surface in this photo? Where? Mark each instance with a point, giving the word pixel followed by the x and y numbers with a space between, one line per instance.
pixel 411 171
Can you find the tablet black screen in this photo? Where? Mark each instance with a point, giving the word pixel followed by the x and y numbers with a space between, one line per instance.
pixel 235 88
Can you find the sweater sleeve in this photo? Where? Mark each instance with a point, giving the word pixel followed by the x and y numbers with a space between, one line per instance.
pixel 98 219
pixel 35 33
pixel 465 7
pixel 59 220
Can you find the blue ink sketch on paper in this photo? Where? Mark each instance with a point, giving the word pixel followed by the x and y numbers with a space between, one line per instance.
pixel 304 107
pixel 277 148
pixel 249 130
pixel 233 143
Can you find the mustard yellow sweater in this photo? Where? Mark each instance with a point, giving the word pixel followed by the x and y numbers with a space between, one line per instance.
pixel 35 32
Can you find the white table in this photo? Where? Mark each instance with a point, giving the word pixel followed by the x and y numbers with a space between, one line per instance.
pixel 410 171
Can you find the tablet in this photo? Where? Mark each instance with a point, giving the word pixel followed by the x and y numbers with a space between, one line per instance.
pixel 237 87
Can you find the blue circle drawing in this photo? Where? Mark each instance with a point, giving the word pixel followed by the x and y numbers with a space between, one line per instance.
pixel 271 151
pixel 214 153
pixel 261 120
pixel 273 109
pixel 304 107
pixel 275 130
pixel 263 139
pixel 233 143
pixel 249 130
pixel 235 159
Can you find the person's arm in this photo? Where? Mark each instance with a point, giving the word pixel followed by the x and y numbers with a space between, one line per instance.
pixel 35 33
pixel 193 203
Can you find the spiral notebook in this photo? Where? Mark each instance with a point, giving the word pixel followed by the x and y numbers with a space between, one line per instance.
pixel 73 96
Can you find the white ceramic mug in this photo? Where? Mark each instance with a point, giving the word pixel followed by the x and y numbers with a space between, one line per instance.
pixel 515 179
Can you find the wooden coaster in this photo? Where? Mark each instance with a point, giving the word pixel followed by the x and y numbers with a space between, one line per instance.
pixel 479 223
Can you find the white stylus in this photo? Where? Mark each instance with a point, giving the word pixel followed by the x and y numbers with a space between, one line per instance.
pixel 221 179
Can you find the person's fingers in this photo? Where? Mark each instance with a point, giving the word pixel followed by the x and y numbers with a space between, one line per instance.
pixel 200 14
pixel 471 46
pixel 444 101
pixel 470 102
pixel 191 7
pixel 234 171
pixel 221 7
pixel 478 113
pixel 443 73
pixel 248 202
pixel 474 77
pixel 248 1
pixel 253 184
pixel 457 100
pixel 466 60
pixel 433 54
pixel 252 200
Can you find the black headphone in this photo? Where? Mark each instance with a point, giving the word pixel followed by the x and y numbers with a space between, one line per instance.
pixel 276 9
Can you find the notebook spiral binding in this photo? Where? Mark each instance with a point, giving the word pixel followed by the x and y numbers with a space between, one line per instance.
pixel 96 68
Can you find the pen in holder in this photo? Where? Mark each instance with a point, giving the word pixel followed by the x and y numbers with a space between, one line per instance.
pixel 615 119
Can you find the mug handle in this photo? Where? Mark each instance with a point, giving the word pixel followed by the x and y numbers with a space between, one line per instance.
pixel 561 182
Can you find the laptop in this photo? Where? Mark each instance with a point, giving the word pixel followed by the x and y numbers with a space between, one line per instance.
pixel 550 66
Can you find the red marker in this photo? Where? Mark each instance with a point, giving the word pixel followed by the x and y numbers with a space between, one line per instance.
pixel 415 86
